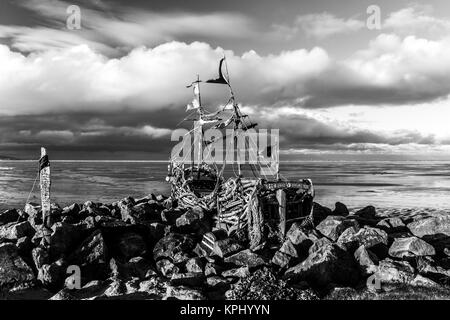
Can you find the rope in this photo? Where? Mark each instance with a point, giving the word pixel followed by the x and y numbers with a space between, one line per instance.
pixel 32 189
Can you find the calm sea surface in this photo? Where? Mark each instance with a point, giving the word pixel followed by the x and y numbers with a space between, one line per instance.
pixel 410 184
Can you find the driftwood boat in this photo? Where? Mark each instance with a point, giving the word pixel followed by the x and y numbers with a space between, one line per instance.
pixel 257 204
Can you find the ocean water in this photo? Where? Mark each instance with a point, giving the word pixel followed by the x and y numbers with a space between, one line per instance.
pixel 383 184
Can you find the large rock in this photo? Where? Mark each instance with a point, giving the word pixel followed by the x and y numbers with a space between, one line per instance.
pixel 410 247
pixel 34 213
pixel 429 268
pixel 167 268
pixel 246 258
pixel 192 221
pixel 368 212
pixel 183 293
pixel 330 264
pixel 319 213
pixel 433 228
pixel 366 259
pixel 241 272
pixel 227 246
pixel 40 257
pixel 14 272
pixel 136 267
pixel 53 274
pixel 340 209
pixel 194 265
pixel 286 255
pixel 174 246
pixel 389 271
pixel 14 231
pixel 333 226
pixel 319 243
pixel 64 238
pixel 132 245
pixel 9 216
pixel 392 225
pixel 367 236
pixel 191 279
pixel 92 251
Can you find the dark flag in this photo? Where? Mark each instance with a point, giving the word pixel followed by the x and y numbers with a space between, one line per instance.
pixel 221 78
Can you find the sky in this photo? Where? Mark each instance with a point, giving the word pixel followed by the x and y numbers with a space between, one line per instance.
pixel 335 86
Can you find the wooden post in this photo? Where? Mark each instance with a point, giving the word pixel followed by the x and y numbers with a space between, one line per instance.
pixel 281 198
pixel 44 179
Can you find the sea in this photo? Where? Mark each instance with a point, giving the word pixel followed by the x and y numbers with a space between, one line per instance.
pixel 383 184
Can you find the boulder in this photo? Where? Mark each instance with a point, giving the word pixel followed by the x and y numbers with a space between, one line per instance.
pixel 367 236
pixel 14 231
pixel 332 226
pixel 195 265
pixel 319 213
pixel 286 255
pixel 212 269
pixel 410 247
pixel 171 215
pixel 227 246
pixel 14 272
pixel 347 239
pixel 366 259
pixel 166 268
pixel 433 228
pixel 131 245
pixel 191 279
pixel 218 283
pixel 241 272
pixel 192 221
pixel 420 281
pixel 340 209
pixel 330 264
pixel 264 285
pixel 368 212
pixel 174 245
pixel 92 251
pixel 392 225
pixel 136 267
pixel 40 257
pixel 33 211
pixel 428 267
pixel 246 258
pixel 389 271
pixel 9 216
pixel 53 274
pixel 140 268
pixel 24 245
pixel 64 238
pixel 71 210
pixel 183 293
pixel 318 244
pixel 158 230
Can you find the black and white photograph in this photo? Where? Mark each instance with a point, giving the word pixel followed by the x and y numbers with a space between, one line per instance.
pixel 217 152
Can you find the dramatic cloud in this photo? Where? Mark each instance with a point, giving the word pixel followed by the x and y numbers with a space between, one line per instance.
pixel 324 25
pixel 319 26
pixel 119 84
pixel 417 20
pixel 117 30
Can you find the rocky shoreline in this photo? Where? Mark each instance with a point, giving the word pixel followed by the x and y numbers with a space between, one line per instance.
pixel 145 249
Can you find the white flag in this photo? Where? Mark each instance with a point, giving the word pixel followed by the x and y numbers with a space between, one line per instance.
pixel 195 104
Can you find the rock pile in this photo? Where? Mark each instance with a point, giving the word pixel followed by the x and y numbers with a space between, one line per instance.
pixel 146 249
